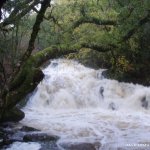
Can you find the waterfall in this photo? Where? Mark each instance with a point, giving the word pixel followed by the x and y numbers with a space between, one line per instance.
pixel 79 104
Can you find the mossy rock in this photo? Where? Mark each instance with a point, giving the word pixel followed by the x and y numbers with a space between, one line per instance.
pixel 13 115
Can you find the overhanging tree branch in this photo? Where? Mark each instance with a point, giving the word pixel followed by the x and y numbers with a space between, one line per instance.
pixel 141 22
pixel 93 20
pixel 100 48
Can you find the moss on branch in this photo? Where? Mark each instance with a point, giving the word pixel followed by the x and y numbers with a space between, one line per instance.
pixel 93 20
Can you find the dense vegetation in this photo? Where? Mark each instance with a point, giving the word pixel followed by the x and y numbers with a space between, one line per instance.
pixel 111 34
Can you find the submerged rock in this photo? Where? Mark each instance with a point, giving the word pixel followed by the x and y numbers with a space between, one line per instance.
pixel 101 91
pixel 28 129
pixel 144 103
pixel 34 137
pixel 81 146
pixel 112 106
pixel 54 64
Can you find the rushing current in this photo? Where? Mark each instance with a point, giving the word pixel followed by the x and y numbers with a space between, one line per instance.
pixel 80 105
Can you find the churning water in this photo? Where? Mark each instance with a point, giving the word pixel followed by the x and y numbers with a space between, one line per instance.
pixel 80 105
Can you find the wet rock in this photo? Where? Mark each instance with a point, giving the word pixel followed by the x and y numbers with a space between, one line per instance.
pixel 144 103
pixel 9 136
pixel 6 140
pixel 54 64
pixel 28 129
pixel 112 106
pixel 81 146
pixel 8 131
pixel 12 132
pixel 101 91
pixel 13 115
pixel 34 137
pixel 49 145
pixel 8 125
pixel 104 74
pixel 1 138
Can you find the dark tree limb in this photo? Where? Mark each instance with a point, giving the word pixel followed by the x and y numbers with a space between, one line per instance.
pixel 3 72
pixel 36 28
pixel 2 2
pixel 134 29
pixel 93 20
pixel 120 3
pixel 100 48
pixel 50 17
pixel 18 13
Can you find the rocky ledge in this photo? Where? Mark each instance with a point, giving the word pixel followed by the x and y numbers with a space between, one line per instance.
pixel 13 132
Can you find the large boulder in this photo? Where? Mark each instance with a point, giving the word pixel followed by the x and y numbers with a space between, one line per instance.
pixel 13 115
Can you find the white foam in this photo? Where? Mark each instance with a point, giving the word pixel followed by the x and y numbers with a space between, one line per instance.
pixel 24 146
pixel 68 103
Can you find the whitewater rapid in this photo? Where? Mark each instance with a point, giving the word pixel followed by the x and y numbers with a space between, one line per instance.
pixel 80 105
